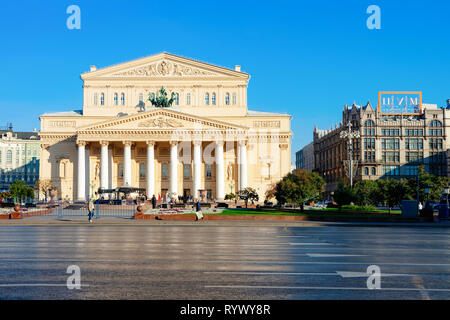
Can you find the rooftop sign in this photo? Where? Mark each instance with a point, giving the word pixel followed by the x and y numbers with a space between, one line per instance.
pixel 400 102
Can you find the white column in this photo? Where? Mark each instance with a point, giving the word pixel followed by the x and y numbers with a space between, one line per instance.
pixel 243 165
pixel 197 168
pixel 150 168
pixel 174 168
pixel 238 182
pixel 127 163
pixel 110 168
pixel 220 176
pixel 87 169
pixel 104 165
pixel 81 194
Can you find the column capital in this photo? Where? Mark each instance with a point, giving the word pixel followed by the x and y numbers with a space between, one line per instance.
pixel 45 145
pixel 242 143
pixel 127 143
pixel 173 143
pixel 220 143
pixel 104 143
pixel 81 143
pixel 197 142
pixel 150 143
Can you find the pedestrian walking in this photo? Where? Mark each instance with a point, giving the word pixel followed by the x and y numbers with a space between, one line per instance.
pixel 153 202
pixel 198 211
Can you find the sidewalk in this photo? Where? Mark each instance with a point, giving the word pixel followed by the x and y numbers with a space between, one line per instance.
pixel 108 221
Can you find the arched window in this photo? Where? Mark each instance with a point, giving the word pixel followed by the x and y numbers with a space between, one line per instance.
pixel 207 99
pixel 213 99
pixel 373 171
pixel 188 99
pixel 177 99
pixel 122 99
pixel 95 99
pixel 435 123
pixel 369 123
pixel 116 99
pixel 366 171
pixel 9 157
pixel 102 99
pixel 234 98
pixel 227 99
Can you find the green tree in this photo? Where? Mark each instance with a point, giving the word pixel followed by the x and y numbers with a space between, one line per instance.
pixel 299 187
pixel 366 193
pixel 230 196
pixel 343 194
pixel 161 100
pixel 19 190
pixel 392 192
pixel 248 194
pixel 435 184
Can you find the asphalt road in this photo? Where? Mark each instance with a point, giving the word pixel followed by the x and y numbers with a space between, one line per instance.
pixel 223 262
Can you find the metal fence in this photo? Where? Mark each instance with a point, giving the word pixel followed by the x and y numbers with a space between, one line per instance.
pixel 64 208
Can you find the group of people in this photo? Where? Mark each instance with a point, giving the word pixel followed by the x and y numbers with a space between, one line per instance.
pixel 153 200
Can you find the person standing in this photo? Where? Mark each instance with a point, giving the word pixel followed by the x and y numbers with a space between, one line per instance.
pixel 153 202
pixel 91 209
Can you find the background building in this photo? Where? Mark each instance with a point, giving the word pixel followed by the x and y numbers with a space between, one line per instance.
pixel 19 157
pixel 304 159
pixel 389 145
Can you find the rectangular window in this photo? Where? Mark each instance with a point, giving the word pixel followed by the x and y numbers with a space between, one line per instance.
pixel 435 132
pixel 410 170
pixel 164 171
pixel 187 171
pixel 208 170
pixel 391 156
pixel 390 170
pixel 390 144
pixel 142 170
pixel 435 143
pixel 120 170
pixel 369 143
pixel 414 144
pixel 414 156
pixel 188 99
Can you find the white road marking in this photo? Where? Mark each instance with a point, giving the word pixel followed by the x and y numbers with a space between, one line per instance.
pixel 6 285
pixel 310 244
pixel 274 273
pixel 350 274
pixel 328 255
pixel 330 263
pixel 321 288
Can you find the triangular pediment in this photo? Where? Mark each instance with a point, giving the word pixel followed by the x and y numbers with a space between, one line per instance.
pixel 162 119
pixel 164 65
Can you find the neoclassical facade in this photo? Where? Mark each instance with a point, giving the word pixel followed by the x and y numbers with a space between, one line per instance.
pixel 207 140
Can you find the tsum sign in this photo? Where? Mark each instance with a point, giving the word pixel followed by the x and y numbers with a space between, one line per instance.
pixel 400 102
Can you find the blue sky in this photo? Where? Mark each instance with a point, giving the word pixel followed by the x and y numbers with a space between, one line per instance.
pixel 305 58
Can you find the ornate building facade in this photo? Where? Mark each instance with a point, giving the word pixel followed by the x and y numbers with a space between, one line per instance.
pixel 207 140
pixel 388 146
pixel 19 157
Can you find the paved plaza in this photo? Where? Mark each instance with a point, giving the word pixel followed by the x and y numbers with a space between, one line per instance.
pixel 122 259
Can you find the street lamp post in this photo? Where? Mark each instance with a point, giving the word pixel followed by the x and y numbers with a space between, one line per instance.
pixel 350 135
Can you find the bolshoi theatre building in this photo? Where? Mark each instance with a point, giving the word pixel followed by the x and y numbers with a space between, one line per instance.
pixel 206 142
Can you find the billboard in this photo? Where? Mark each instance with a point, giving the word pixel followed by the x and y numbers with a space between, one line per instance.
pixel 400 102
